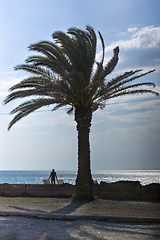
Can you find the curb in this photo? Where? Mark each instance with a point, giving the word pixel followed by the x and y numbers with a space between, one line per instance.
pixel 68 217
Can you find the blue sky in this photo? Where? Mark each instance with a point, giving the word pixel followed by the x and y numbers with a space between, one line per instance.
pixel 124 135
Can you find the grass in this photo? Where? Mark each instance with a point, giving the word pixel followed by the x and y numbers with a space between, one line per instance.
pixel 5 199
pixel 31 200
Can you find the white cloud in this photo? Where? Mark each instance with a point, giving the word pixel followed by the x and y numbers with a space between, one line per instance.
pixel 142 105
pixel 3 94
pixel 8 72
pixel 147 131
pixel 58 119
pixel 132 29
pixel 122 33
pixel 147 117
pixel 131 112
pixel 6 84
pixel 38 119
pixel 147 37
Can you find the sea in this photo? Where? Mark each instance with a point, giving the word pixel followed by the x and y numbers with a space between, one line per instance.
pixel 109 176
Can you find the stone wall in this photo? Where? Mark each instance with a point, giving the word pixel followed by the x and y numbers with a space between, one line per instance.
pixel 122 190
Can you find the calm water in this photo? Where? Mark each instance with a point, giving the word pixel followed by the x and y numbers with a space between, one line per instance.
pixel 35 177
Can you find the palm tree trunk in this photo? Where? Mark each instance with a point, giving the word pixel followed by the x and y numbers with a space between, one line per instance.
pixel 84 182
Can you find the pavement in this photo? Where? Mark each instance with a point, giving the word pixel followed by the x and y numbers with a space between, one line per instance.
pixel 70 209
pixel 25 218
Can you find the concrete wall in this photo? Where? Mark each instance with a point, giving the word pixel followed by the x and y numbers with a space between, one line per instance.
pixel 50 190
pixel 130 190
pixel 12 189
pixel 151 192
pixel 37 190
pixel 122 190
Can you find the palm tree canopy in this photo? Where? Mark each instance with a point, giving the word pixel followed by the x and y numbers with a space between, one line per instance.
pixel 65 72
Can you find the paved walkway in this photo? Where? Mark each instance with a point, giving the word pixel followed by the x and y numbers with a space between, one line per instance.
pixel 69 209
pixel 22 228
pixel 43 219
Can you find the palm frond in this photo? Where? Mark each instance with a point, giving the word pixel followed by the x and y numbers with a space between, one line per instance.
pixel 63 75
pixel 131 92
pixel 62 104
pixel 54 53
pixel 103 48
pixel 70 48
pixel 119 78
pixel 70 110
pixel 117 84
pixel 112 63
pixel 28 107
pixel 32 82
pixel 35 70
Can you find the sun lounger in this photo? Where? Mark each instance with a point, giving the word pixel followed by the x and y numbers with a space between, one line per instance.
pixel 59 181
pixel 46 181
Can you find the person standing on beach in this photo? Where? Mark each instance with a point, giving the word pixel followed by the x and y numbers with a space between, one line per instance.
pixel 53 176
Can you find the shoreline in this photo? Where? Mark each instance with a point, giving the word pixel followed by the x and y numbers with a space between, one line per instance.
pixel 145 177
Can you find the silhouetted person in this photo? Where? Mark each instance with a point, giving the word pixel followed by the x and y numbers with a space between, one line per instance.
pixel 53 176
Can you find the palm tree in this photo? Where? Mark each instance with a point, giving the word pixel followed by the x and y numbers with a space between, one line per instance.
pixel 66 73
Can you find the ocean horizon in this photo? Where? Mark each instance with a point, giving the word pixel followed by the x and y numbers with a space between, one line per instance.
pixel 145 177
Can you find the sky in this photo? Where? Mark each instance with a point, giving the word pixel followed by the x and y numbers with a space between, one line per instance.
pixel 126 134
